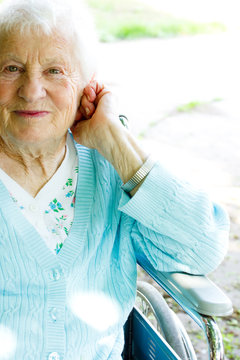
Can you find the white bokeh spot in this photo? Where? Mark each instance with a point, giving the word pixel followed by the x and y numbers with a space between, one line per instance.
pixel 8 342
pixel 95 309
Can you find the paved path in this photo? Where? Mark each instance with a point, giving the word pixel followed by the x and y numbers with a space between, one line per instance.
pixel 154 77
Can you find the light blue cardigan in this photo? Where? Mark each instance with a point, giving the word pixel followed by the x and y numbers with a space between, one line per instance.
pixel 73 305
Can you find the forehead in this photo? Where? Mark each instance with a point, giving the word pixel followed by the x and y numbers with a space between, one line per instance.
pixel 36 46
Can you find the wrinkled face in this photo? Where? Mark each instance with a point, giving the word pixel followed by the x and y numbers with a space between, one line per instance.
pixel 40 88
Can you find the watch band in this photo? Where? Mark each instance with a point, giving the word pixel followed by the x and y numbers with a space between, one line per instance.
pixel 139 175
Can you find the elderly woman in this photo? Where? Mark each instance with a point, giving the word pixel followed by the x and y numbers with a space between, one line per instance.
pixel 79 207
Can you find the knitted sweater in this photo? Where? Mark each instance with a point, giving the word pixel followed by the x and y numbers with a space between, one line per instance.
pixel 73 305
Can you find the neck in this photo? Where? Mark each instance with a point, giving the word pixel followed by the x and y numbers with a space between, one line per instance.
pixel 32 165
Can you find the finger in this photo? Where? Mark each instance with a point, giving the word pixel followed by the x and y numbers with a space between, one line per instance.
pixel 88 110
pixel 85 103
pixel 93 92
pixel 90 93
pixel 101 94
pixel 97 86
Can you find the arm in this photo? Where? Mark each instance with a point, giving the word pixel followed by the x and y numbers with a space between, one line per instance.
pixel 177 227
pixel 101 129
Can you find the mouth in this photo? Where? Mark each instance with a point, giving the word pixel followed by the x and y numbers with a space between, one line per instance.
pixel 31 113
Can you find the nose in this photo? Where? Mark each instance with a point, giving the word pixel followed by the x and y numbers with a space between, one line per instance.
pixel 32 89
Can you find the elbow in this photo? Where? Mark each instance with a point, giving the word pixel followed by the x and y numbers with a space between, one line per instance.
pixel 211 253
pixel 215 245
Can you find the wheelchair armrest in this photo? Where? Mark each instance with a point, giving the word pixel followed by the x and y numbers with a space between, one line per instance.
pixel 195 292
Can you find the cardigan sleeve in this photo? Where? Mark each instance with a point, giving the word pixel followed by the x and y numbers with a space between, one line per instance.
pixel 176 227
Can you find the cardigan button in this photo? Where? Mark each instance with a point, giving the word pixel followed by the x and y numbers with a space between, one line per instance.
pixel 54 356
pixel 55 274
pixel 33 207
pixel 54 313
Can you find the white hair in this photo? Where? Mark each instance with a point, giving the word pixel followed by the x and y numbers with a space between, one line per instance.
pixel 69 18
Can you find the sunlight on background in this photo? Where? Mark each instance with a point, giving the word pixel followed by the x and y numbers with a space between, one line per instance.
pixel 226 11
pixel 180 89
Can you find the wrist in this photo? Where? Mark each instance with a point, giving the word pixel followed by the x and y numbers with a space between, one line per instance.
pixel 139 176
pixel 122 150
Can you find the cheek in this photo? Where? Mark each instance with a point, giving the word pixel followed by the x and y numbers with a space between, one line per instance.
pixel 67 98
pixel 6 93
pixel 6 100
pixel 67 101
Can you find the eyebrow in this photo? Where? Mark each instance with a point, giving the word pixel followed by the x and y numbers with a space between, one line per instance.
pixel 59 60
pixel 47 61
pixel 12 57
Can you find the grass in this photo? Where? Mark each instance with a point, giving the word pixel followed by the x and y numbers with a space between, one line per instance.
pixel 231 343
pixel 189 106
pixel 130 19
pixel 193 105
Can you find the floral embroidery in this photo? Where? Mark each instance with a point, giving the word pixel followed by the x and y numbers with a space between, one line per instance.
pixel 70 193
pixel 57 216
pixel 54 219
pixel 58 247
pixel 15 201
pixel 59 211
pixel 56 206
pixel 73 202
pixel 69 182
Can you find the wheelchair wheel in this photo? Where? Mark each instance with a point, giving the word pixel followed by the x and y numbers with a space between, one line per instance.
pixel 151 303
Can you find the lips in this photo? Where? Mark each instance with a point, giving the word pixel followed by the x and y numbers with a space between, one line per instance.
pixel 31 113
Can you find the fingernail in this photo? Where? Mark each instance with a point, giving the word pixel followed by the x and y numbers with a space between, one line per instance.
pixel 88 97
pixel 87 110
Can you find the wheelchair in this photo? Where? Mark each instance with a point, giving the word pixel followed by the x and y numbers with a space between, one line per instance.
pixel 197 295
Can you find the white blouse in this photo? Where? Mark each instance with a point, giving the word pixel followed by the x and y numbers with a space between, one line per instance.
pixel 51 212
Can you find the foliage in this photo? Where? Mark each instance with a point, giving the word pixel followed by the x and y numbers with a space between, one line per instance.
pixel 122 19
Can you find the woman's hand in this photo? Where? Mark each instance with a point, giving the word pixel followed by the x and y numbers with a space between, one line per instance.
pixel 98 127
pixel 97 114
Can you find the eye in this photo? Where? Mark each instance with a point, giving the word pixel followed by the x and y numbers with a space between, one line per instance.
pixel 12 68
pixel 54 71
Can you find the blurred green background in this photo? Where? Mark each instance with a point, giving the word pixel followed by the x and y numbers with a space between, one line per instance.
pixel 131 19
